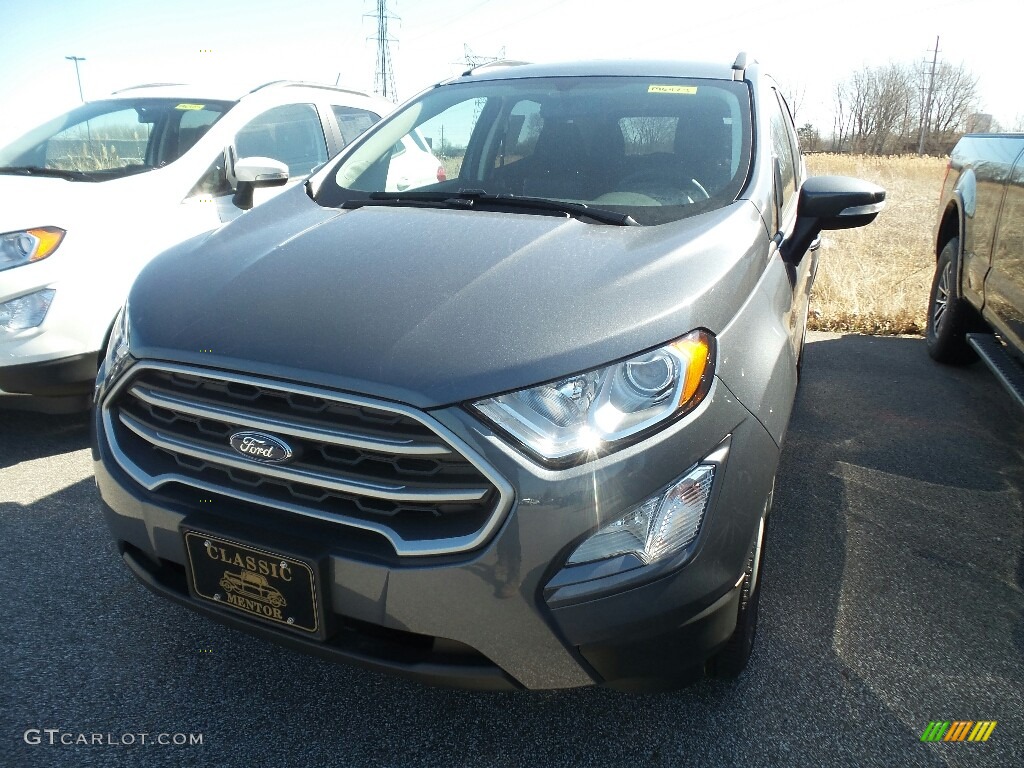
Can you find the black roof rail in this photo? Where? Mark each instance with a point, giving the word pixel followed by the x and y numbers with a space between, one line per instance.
pixel 496 63
pixel 739 67
pixel 145 85
pixel 300 84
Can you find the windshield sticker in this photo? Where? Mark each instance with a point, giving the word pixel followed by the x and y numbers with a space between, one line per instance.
pixel 191 106
pixel 687 89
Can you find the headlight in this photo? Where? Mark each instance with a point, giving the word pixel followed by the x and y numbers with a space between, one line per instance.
pixel 116 357
pixel 27 245
pixel 603 409
pixel 27 311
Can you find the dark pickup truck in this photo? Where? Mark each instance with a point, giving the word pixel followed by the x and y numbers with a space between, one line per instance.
pixel 977 298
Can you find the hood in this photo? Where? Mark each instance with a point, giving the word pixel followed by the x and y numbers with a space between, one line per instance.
pixel 42 201
pixel 432 307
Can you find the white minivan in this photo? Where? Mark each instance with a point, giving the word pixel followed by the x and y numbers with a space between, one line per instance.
pixel 87 199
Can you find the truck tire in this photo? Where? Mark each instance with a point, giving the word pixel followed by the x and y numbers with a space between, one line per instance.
pixel 950 317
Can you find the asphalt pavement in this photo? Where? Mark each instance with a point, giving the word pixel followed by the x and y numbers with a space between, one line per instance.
pixel 893 597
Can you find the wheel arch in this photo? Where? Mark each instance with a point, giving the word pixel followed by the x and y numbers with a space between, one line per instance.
pixel 950 226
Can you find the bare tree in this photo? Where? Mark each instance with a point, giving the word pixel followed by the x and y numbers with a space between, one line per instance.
pixel 954 100
pixel 649 134
pixel 810 139
pixel 880 110
pixel 841 117
pixel 894 92
pixel 794 93
pixel 874 104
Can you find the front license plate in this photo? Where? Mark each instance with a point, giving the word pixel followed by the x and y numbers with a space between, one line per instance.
pixel 261 584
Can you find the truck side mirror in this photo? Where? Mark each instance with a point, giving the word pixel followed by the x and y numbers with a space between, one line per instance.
pixel 253 172
pixel 831 202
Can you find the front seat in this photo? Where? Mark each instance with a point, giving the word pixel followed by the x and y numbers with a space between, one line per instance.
pixel 703 144
pixel 559 166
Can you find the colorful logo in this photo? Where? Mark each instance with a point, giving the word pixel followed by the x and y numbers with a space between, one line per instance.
pixel 958 730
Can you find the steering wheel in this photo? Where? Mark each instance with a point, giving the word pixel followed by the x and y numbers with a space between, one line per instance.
pixel 663 184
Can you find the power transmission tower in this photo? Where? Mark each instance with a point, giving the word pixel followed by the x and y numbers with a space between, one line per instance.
pixel 384 75
pixel 926 116
pixel 473 60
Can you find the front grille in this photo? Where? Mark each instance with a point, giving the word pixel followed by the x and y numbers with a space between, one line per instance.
pixel 376 466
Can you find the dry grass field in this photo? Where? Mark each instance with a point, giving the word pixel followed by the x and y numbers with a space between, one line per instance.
pixel 876 279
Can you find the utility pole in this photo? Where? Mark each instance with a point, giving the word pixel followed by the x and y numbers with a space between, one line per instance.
pixel 928 100
pixel 78 76
pixel 384 76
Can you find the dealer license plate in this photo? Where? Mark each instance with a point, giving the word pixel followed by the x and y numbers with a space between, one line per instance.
pixel 261 584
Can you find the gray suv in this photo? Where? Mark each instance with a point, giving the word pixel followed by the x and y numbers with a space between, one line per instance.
pixel 514 428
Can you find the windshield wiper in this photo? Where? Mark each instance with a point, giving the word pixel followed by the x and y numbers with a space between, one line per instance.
pixel 474 198
pixel 36 170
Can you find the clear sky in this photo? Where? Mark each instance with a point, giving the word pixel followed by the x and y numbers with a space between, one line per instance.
pixel 807 44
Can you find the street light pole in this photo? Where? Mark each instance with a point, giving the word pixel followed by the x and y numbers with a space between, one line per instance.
pixel 78 76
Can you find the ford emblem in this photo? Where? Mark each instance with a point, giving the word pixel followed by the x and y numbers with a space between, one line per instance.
pixel 260 446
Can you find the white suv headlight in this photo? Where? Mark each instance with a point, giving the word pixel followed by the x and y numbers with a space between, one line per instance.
pixel 593 412
pixel 28 245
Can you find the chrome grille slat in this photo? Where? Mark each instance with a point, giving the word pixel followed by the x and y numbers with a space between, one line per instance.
pixel 373 465
pixel 248 418
pixel 393 492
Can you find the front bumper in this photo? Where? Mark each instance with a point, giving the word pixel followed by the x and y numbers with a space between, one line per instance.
pixel 67 376
pixel 59 357
pixel 483 619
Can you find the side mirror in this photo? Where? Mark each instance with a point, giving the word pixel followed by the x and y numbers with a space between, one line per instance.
pixel 253 172
pixel 831 202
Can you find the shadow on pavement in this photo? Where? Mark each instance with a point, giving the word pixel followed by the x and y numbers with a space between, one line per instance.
pixel 26 435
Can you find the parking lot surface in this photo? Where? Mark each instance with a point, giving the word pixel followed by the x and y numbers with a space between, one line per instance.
pixel 893 597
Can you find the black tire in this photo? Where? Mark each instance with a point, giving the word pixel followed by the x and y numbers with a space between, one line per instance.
pixel 732 659
pixel 950 317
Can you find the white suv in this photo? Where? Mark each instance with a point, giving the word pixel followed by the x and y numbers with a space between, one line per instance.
pixel 87 199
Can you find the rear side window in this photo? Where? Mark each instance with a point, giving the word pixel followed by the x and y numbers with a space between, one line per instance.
pixel 648 135
pixel 291 133
pixel 352 121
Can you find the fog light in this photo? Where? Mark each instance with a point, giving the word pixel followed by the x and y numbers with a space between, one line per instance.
pixel 662 526
pixel 25 311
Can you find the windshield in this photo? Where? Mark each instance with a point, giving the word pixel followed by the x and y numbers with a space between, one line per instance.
pixel 107 139
pixel 656 149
